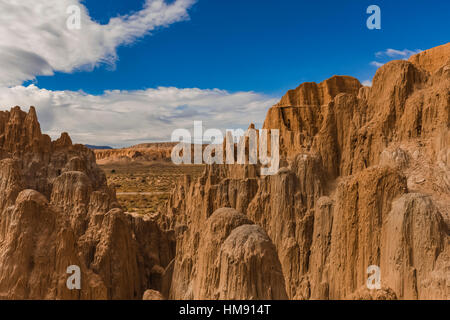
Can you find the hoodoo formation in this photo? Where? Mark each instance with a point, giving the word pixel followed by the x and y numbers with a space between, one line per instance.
pixel 57 211
pixel 365 181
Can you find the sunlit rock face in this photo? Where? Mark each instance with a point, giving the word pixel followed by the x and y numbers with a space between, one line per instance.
pixel 56 210
pixel 365 181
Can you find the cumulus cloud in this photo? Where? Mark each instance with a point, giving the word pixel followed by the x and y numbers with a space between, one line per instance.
pixel 122 118
pixel 35 39
pixel 376 64
pixel 401 54
pixel 390 54
pixel 367 83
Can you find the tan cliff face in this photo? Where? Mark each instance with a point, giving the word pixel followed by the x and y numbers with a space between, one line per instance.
pixel 433 59
pixel 364 181
pixel 56 210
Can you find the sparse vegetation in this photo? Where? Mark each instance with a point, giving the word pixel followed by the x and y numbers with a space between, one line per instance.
pixel 145 188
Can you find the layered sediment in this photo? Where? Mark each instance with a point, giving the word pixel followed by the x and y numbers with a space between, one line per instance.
pixel 56 211
pixel 364 182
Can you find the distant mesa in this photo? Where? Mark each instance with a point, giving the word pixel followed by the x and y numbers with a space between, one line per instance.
pixel 144 152
pixel 90 146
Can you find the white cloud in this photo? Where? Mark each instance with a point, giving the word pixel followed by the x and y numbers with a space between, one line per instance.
pixel 35 40
pixel 401 54
pixel 376 64
pixel 122 118
pixel 390 54
pixel 367 83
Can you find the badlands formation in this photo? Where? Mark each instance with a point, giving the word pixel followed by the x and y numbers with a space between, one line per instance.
pixel 365 180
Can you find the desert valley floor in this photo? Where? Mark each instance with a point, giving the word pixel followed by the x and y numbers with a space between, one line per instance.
pixel 145 187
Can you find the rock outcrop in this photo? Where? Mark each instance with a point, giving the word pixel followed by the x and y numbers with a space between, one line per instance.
pixel 57 211
pixel 364 181
pixel 226 256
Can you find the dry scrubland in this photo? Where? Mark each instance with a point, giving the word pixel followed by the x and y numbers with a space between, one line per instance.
pixel 145 187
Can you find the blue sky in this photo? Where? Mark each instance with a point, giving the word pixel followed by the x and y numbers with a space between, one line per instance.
pixel 261 45
pixel 136 70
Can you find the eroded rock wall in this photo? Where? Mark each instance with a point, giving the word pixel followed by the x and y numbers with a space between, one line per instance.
pixel 364 182
pixel 56 210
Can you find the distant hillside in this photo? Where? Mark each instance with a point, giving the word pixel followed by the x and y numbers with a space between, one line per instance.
pixel 98 147
pixel 159 151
